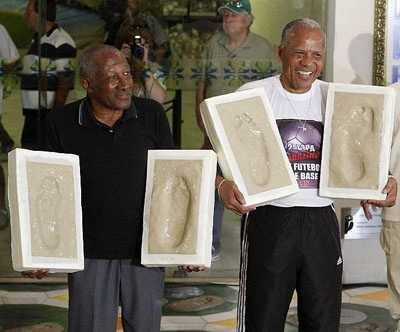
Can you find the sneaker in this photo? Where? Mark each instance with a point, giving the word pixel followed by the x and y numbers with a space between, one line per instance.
pixel 215 258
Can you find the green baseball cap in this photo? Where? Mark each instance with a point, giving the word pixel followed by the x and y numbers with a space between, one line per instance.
pixel 236 6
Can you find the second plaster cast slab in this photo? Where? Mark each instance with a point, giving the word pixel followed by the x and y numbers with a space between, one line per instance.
pixel 357 140
pixel 243 132
pixel 179 206
pixel 45 211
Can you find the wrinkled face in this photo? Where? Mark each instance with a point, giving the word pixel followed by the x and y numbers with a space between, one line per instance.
pixel 302 59
pixel 32 18
pixel 235 23
pixel 110 85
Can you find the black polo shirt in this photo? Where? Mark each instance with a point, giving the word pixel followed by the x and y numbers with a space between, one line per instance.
pixel 113 164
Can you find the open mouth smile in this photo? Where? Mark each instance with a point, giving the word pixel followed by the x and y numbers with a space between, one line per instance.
pixel 301 72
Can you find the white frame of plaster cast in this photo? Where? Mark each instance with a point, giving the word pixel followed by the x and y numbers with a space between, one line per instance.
pixel 229 161
pixel 205 208
pixel 23 256
pixel 383 157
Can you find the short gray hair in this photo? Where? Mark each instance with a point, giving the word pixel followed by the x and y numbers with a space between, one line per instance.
pixel 302 23
pixel 87 66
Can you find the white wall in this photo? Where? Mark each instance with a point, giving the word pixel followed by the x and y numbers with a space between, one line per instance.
pixel 351 25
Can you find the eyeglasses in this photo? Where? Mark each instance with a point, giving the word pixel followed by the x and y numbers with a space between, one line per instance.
pixel 236 4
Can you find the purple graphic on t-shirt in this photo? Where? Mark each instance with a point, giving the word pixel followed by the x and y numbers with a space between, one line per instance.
pixel 303 148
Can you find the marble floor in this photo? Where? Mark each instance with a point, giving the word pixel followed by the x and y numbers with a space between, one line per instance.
pixel 211 307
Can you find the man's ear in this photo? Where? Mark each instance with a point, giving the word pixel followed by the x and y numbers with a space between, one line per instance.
pixel 279 52
pixel 85 82
pixel 249 19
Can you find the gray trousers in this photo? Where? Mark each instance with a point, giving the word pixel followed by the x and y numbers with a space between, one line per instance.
pixel 96 292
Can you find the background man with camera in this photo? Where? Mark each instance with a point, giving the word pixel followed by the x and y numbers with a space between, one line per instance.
pixel 134 39
pixel 116 12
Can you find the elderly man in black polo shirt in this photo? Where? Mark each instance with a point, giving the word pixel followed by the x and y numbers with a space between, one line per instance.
pixel 111 132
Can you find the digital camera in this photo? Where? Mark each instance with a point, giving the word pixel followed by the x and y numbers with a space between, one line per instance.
pixel 136 49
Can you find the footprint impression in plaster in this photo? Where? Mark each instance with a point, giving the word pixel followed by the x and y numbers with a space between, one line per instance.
pixel 48 201
pixel 253 138
pixel 355 134
pixel 170 224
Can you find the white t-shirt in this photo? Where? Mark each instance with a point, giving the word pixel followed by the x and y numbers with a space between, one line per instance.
pixel 303 147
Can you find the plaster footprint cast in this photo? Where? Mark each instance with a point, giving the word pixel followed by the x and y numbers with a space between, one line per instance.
pixel 170 224
pixel 48 201
pixel 361 124
pixel 253 138
pixel 353 162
